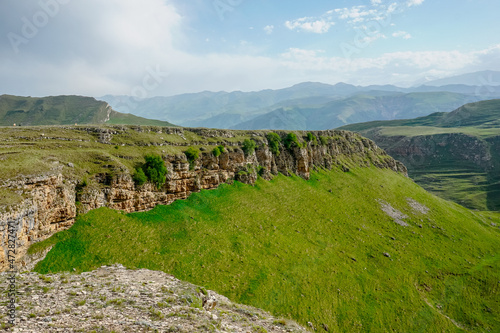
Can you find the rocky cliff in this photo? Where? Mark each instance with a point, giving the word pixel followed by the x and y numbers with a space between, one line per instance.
pixel 52 201
pixel 462 167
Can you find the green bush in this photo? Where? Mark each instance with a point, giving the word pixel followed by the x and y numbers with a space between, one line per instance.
pixel 274 143
pixel 324 140
pixel 139 177
pixel 216 151
pixel 261 170
pixel 249 146
pixel 312 138
pixel 154 169
pixel 291 140
pixel 192 155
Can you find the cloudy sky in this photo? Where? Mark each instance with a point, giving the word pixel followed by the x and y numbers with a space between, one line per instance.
pixel 148 48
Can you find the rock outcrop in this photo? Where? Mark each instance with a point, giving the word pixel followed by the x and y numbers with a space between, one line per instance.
pixel 115 299
pixel 52 202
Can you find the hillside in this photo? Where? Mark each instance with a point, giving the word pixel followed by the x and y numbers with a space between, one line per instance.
pixel 64 110
pixel 455 155
pixel 399 259
pixel 49 175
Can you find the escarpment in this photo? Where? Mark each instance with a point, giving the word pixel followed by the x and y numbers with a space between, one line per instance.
pixel 84 168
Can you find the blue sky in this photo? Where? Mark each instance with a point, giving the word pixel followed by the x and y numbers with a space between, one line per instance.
pixel 164 47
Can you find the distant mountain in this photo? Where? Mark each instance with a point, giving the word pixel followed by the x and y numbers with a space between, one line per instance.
pixel 64 110
pixel 198 109
pixel 233 109
pixel 455 155
pixel 483 78
pixel 361 107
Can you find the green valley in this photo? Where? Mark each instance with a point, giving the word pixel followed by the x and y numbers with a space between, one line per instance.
pixel 455 155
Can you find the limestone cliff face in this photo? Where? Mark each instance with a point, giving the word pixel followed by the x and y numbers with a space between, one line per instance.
pixel 52 202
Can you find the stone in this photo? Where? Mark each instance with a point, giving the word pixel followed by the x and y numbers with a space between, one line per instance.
pixel 111 308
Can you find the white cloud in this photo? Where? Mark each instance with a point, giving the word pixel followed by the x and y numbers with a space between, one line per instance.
pixel 269 29
pixel 373 37
pixel 355 14
pixel 111 50
pixel 390 68
pixel 92 47
pixel 401 34
pixel 411 3
pixel 310 24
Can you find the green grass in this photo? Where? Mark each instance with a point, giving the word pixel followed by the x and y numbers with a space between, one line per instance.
pixel 311 251
pixel 117 118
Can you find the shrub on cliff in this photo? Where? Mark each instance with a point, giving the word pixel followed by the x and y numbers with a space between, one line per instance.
pixel 139 177
pixel 312 138
pixel 249 146
pixel 154 169
pixel 274 141
pixel 291 140
pixel 324 140
pixel 192 155
pixel 218 150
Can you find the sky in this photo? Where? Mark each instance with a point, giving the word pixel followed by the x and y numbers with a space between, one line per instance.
pixel 147 48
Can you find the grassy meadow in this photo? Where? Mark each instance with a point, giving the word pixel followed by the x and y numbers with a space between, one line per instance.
pixel 319 251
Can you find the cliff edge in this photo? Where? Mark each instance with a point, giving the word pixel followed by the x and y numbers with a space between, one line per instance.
pixel 52 174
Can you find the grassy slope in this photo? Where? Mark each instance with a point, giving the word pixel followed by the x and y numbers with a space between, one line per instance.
pixel 117 118
pixel 54 110
pixel 480 115
pixel 316 256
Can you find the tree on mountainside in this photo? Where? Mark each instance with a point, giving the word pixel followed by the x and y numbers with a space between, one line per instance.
pixel 153 170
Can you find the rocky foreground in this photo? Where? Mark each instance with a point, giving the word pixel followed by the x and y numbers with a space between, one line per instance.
pixel 115 299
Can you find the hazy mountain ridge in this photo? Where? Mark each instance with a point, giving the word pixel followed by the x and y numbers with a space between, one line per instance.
pixel 482 78
pixel 358 108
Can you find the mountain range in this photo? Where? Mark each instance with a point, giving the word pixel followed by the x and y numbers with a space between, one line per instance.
pixel 303 105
